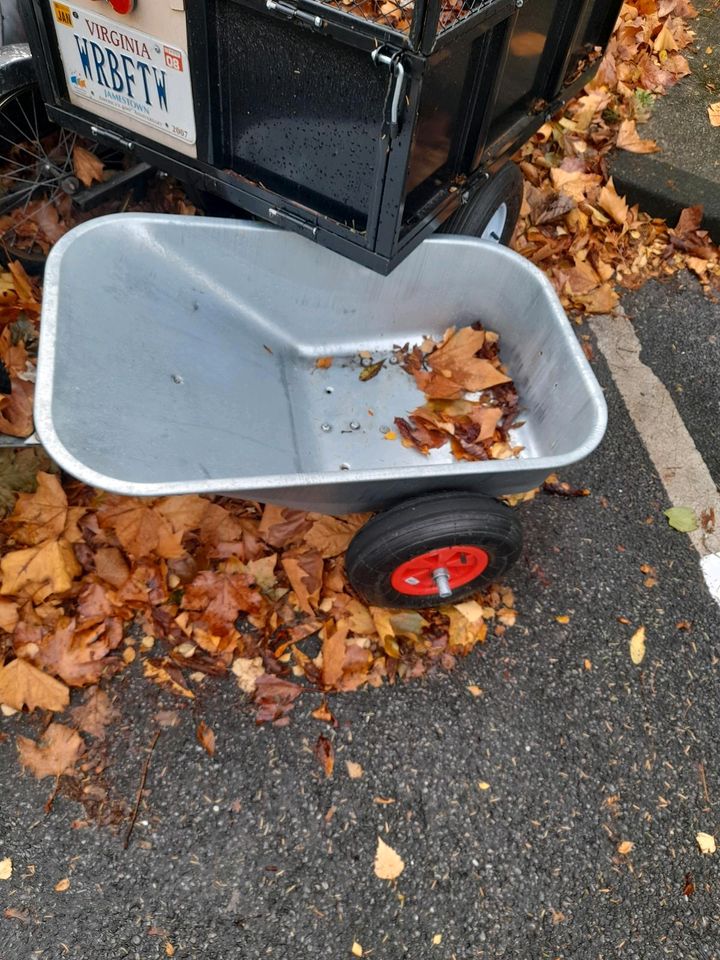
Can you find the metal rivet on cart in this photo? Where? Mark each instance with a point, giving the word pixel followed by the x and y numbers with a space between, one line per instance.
pixel 354 425
pixel 394 359
pixel 326 428
pixel 176 378
pixel 366 361
pixel 344 466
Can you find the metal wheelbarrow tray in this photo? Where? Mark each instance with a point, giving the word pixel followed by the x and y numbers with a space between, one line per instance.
pixel 179 355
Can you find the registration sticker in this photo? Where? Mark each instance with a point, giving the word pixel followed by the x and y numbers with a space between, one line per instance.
pixel 63 14
pixel 128 71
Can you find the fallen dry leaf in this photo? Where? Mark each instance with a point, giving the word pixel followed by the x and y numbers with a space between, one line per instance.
pixel 77 652
pixel 95 713
pixel 388 864
pixel 304 571
pixel 55 754
pixel 457 364
pixel 39 571
pixel 334 651
pixel 355 771
pixel 88 168
pixel 161 675
pixel 12 914
pixel 219 598
pixel 247 670
pixel 325 753
pixel 62 885
pixel 140 528
pixel 612 203
pixel 23 685
pixel 706 842
pixel 625 847
pixel 371 371
pixel 6 868
pixel 205 737
pixel 167 718
pixel 629 139
pixel 41 515
pixel 323 713
pixel 637 646
pixel 714 114
pixel 275 699
pixel 331 536
pixel 9 615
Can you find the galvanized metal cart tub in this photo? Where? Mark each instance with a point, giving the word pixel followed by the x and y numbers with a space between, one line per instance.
pixel 180 355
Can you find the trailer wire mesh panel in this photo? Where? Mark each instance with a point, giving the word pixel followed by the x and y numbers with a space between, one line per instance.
pixel 400 14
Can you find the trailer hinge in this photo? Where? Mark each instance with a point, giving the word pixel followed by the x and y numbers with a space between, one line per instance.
pixel 293 221
pixel 394 63
pixel 292 13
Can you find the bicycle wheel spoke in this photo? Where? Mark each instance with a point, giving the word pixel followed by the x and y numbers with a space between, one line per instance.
pixel 35 144
pixel 13 143
pixel 70 151
pixel 20 168
pixel 34 213
pixel 34 132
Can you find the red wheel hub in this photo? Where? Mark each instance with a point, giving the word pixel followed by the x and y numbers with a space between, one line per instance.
pixel 414 578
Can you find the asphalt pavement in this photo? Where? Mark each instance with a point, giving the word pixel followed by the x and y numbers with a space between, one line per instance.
pixel 255 854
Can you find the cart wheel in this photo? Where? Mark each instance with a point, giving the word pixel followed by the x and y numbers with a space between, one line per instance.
pixel 440 548
pixel 36 166
pixel 492 212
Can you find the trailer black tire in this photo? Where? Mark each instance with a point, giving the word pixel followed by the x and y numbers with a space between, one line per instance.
pixel 480 535
pixel 492 211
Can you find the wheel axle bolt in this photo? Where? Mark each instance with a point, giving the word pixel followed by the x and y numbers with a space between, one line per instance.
pixel 441 576
pixel 354 425
pixel 326 428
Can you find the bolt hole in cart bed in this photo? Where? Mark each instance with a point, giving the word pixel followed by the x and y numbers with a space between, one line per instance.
pixel 189 364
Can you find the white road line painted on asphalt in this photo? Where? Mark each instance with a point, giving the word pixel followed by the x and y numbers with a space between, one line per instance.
pixel 682 470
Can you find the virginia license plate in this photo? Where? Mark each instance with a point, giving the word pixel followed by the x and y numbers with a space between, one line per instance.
pixel 137 75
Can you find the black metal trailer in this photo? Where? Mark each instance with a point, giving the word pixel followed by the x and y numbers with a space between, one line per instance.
pixel 363 124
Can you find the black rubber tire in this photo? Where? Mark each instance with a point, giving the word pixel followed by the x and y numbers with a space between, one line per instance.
pixel 430 523
pixel 473 217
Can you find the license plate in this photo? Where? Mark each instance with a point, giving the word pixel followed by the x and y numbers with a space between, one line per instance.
pixel 137 75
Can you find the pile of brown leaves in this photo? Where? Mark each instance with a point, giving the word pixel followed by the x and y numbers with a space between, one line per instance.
pixel 194 586
pixel 471 402
pixel 19 315
pixel 398 14
pixel 574 224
